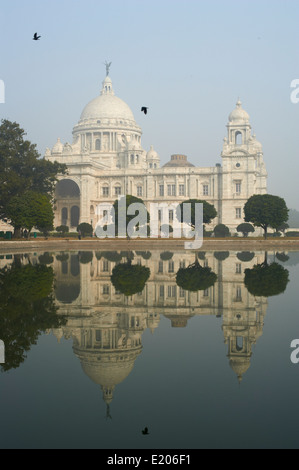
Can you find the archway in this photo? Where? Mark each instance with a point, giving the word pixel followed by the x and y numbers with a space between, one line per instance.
pixel 67 196
pixel 67 189
pixel 238 138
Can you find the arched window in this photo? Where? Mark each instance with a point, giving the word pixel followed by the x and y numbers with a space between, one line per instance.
pixel 98 144
pixel 239 343
pixel 238 138
pixel 105 191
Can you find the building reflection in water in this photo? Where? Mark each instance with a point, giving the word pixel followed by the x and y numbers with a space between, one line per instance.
pixel 107 326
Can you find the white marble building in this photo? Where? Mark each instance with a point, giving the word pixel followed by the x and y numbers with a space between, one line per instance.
pixel 106 159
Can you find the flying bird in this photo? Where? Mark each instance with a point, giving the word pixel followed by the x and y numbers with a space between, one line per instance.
pixel 36 37
pixel 145 431
pixel 144 109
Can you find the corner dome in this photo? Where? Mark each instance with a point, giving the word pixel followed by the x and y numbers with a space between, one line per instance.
pixel 152 154
pixel 58 147
pixel 238 114
pixel 107 106
pixel 255 142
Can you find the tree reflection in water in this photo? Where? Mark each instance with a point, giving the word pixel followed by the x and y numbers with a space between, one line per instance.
pixel 195 277
pixel 266 280
pixel 128 278
pixel 27 308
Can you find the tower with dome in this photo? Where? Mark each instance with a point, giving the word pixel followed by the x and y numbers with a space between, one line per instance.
pixel 106 159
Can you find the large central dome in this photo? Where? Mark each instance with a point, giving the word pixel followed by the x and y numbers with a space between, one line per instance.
pixel 107 106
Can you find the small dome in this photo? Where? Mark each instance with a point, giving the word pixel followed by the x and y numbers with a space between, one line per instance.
pixel 255 142
pixel 152 154
pixel 240 366
pixel 238 114
pixel 58 147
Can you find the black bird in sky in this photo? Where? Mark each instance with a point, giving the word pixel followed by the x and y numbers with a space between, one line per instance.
pixel 36 37
pixel 144 109
pixel 145 431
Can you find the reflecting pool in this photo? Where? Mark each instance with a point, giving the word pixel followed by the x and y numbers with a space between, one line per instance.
pixel 193 345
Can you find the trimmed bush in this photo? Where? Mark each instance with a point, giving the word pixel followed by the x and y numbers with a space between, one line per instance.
pixel 245 256
pixel 221 255
pixel 221 231
pixel 63 229
pixel 166 255
pixel 292 234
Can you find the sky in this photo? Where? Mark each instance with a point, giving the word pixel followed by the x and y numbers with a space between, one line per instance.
pixel 187 60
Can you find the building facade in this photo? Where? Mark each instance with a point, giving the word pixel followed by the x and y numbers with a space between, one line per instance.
pixel 106 160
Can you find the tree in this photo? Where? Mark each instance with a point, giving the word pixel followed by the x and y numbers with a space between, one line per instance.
pixel 46 258
pixel 245 228
pixel 195 277
pixel 27 309
pixel 129 200
pixel 63 257
pixel 145 254
pixel 265 280
pixel 86 229
pixel 266 210
pixel 221 231
pixel 29 210
pixel 166 255
pixel 221 255
pixel 283 227
pixel 85 257
pixel 129 279
pixel 282 257
pixel 63 229
pixel 209 211
pixel 113 256
pixel 21 168
pixel 245 256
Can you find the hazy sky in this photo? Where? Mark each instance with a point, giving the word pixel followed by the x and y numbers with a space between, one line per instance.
pixel 187 60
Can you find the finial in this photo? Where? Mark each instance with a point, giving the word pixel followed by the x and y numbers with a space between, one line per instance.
pixel 108 65
pixel 239 102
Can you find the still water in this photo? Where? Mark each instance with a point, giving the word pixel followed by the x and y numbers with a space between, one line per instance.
pixel 100 345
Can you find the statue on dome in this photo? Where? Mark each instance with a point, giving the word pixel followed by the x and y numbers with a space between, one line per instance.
pixel 108 65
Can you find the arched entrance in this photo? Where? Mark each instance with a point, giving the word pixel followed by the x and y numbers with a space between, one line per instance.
pixel 67 196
